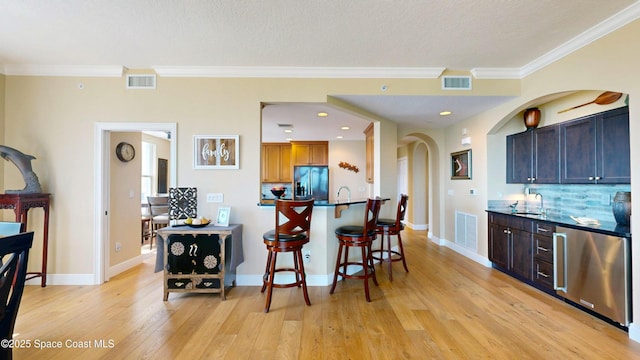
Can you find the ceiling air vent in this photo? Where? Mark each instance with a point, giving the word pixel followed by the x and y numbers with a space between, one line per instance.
pixel 144 81
pixel 456 83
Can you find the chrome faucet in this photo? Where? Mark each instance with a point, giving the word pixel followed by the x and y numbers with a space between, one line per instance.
pixel 541 202
pixel 348 193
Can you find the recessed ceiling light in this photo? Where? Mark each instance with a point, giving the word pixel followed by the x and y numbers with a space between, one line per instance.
pixel 288 131
pixel 323 114
pixel 445 113
pixel 345 128
pixel 339 137
pixel 289 139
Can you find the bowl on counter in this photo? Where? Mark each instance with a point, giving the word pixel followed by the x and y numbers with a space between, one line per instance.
pixel 277 192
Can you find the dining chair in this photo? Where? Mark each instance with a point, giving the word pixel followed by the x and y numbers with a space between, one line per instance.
pixel 291 233
pixel 387 228
pixel 13 272
pixel 159 212
pixel 358 236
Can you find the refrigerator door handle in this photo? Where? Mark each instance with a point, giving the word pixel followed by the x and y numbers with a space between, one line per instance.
pixel 559 270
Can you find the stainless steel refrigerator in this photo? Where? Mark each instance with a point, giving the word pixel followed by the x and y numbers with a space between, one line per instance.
pixel 311 182
pixel 593 270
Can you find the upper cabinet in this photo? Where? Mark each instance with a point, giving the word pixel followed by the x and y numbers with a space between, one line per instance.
pixel 534 156
pixel 310 152
pixel 368 133
pixel 589 150
pixel 276 162
pixel 595 149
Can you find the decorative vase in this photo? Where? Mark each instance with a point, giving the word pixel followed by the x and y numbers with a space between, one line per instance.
pixel 531 118
pixel 621 207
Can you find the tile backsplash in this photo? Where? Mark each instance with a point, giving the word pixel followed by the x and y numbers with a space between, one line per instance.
pixel 266 191
pixel 592 201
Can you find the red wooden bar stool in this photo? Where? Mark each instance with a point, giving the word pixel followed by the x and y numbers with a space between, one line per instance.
pixel 360 236
pixel 293 220
pixel 389 227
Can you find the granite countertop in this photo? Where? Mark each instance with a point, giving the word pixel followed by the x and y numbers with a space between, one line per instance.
pixel 604 227
pixel 335 202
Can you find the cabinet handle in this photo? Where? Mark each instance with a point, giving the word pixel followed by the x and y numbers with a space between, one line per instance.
pixel 543 274
pixel 528 179
pixel 533 179
pixel 591 178
pixel 540 248
pixel 598 178
pixel 541 229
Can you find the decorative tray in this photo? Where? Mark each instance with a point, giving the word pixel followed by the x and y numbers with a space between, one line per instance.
pixel 198 225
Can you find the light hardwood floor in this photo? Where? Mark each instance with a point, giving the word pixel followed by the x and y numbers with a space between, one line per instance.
pixel 446 307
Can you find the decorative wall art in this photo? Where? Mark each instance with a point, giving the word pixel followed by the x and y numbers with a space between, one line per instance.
pixel 183 203
pixel 461 165
pixel 216 152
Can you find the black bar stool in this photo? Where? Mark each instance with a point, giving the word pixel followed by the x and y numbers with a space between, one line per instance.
pixel 360 236
pixel 388 227
pixel 293 220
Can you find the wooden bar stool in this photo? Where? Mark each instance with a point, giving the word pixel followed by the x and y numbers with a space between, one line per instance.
pixel 293 220
pixel 360 236
pixel 388 227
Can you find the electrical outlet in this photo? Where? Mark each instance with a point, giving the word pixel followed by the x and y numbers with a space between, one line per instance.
pixel 118 247
pixel 306 254
pixel 215 198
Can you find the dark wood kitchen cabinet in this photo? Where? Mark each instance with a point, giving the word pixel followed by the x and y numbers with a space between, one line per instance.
pixel 543 254
pixel 595 149
pixel 533 156
pixel 510 244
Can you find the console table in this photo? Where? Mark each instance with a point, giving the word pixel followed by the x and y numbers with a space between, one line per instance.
pixel 202 260
pixel 21 204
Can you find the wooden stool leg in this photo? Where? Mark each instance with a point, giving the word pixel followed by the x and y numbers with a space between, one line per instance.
pixel 303 280
pixel 402 253
pixel 337 269
pixel 272 274
pixel 370 263
pixel 390 253
pixel 365 268
pixel 266 271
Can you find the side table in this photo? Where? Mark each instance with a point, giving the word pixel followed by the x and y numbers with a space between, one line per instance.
pixel 21 204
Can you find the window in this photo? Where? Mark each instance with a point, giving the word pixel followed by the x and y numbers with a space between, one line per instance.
pixel 148 183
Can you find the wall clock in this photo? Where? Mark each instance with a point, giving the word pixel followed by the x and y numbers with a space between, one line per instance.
pixel 125 152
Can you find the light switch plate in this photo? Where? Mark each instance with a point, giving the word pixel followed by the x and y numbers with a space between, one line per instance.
pixel 215 198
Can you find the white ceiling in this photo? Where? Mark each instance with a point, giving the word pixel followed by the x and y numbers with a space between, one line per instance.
pixel 490 38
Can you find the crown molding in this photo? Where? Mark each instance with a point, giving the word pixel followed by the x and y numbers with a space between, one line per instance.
pixel 300 72
pixel 496 73
pixel 622 18
pixel 64 70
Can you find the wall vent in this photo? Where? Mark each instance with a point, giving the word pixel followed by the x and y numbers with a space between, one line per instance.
pixel 466 230
pixel 142 81
pixel 456 83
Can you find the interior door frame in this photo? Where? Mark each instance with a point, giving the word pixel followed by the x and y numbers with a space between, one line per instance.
pixel 102 165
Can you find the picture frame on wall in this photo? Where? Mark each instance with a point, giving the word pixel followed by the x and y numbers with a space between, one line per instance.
pixel 216 152
pixel 224 213
pixel 461 165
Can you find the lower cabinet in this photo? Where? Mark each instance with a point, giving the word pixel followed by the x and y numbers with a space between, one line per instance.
pixel 543 254
pixel 510 244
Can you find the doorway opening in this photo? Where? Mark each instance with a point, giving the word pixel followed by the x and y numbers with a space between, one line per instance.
pixel 102 185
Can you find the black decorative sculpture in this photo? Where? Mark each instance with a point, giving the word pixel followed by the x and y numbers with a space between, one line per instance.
pixel 23 162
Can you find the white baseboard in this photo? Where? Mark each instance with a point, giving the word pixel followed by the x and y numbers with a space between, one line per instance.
pixel 634 332
pixel 417 226
pixel 65 279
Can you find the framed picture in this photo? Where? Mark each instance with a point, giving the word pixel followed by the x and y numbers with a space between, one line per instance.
pixel 216 152
pixel 461 165
pixel 223 216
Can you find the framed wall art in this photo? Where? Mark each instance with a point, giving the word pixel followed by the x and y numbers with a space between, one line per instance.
pixel 216 152
pixel 461 165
